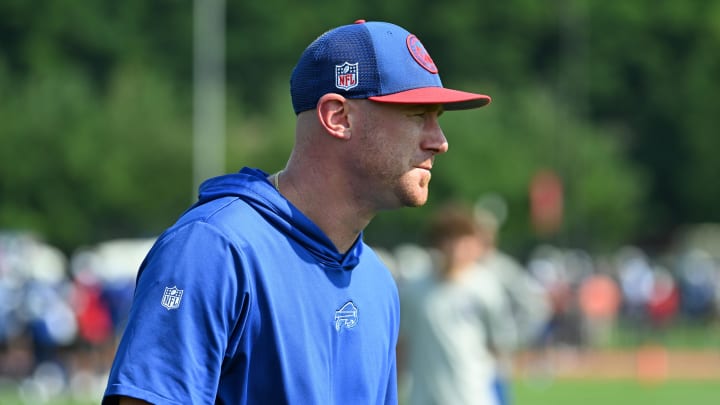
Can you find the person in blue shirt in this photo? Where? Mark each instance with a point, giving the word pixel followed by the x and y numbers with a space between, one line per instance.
pixel 264 292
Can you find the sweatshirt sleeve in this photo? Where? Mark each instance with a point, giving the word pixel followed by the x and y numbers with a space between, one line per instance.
pixel 188 306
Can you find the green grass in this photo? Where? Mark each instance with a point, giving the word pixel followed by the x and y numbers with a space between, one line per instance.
pixel 683 335
pixel 10 396
pixel 615 392
pixel 13 399
pixel 558 392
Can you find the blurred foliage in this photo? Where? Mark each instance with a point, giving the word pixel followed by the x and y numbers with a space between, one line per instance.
pixel 615 97
pixel 78 168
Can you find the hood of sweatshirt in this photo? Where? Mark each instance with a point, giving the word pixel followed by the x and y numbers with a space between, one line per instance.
pixel 251 185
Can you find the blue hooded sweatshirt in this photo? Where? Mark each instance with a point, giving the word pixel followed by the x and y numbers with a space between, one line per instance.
pixel 246 301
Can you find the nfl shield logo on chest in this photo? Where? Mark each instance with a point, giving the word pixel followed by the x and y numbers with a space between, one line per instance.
pixel 172 297
pixel 346 76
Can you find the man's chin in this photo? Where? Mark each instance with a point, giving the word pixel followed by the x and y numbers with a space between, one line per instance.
pixel 416 200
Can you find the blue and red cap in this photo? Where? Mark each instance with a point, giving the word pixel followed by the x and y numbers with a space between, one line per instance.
pixel 378 61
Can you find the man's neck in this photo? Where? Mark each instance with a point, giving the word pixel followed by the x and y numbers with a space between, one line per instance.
pixel 327 204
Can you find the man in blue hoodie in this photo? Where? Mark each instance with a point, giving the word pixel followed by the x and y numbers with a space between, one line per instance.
pixel 264 292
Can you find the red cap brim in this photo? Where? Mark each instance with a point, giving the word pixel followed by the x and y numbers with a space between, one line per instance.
pixel 449 98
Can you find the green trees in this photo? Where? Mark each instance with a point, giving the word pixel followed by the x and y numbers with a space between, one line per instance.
pixel 616 98
pixel 77 167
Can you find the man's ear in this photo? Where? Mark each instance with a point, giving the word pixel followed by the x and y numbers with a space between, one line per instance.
pixel 332 110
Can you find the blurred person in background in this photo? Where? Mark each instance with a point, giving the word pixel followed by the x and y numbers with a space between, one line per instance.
pixel 547 264
pixel 457 321
pixel 698 280
pixel 37 324
pixel 264 291
pixel 599 298
pixel 527 298
pixel 636 283
pixel 530 304
pixel 664 300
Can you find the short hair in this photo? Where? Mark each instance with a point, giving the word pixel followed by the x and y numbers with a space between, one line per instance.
pixel 451 221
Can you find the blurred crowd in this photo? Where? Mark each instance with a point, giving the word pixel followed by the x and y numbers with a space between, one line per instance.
pixel 590 296
pixel 60 316
pixel 469 310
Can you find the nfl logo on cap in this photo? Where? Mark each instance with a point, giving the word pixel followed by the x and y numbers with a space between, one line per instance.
pixel 346 76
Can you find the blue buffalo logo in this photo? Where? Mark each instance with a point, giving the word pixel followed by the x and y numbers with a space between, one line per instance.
pixel 346 316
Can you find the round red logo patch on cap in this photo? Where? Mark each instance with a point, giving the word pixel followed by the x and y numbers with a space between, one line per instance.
pixel 421 56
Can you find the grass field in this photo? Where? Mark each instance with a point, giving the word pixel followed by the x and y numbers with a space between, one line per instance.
pixel 615 392
pixel 11 397
pixel 535 392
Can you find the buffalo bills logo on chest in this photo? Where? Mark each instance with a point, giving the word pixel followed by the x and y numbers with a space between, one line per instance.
pixel 347 316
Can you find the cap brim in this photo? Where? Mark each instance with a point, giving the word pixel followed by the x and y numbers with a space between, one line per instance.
pixel 449 98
